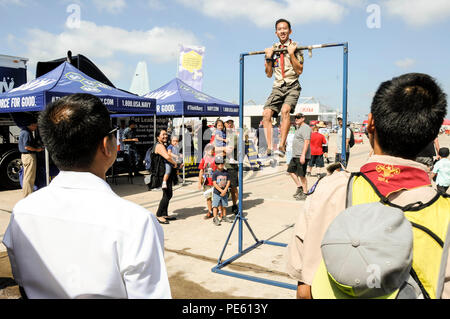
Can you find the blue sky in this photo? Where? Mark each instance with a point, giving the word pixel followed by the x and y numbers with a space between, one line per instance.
pixel 411 37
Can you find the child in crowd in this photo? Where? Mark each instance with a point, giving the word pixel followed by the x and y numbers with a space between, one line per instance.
pixel 174 152
pixel 221 182
pixel 207 167
pixel 442 170
pixel 220 139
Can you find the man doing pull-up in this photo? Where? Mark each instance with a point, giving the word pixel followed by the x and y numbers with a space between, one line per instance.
pixel 287 67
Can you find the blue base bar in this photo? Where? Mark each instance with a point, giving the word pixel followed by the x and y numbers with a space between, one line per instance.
pixel 220 265
pixel 274 243
pixel 255 279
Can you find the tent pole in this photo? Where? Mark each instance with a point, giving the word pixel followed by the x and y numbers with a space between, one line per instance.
pixel 47 167
pixel 184 149
pixel 154 129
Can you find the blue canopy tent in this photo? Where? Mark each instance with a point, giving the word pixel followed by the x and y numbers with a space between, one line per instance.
pixel 176 98
pixel 66 80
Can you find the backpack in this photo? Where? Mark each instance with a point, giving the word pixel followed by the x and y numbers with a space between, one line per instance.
pixel 148 159
pixel 430 231
pixel 351 143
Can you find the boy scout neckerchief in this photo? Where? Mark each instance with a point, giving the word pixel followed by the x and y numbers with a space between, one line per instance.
pixel 389 179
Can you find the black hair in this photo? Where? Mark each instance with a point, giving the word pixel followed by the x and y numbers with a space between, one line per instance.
pixel 131 122
pixel 217 121
pixel 444 152
pixel 282 20
pixel 72 129
pixel 159 131
pixel 408 112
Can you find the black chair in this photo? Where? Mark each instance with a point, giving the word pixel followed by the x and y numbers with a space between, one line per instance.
pixel 120 166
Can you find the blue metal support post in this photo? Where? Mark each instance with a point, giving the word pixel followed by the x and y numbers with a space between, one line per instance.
pixel 344 158
pixel 241 154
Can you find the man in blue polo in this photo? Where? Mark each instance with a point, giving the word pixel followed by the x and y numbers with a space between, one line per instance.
pixel 28 148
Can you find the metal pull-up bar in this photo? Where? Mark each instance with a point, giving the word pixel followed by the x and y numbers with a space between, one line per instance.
pixel 300 48
pixel 239 218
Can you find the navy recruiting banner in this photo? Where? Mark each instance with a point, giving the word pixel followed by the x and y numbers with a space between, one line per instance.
pixel 190 66
pixel 190 166
pixel 252 153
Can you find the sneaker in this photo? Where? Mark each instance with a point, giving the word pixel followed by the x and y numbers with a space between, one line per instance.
pixel 301 196
pixel 208 216
pixel 280 152
pixel 299 190
pixel 216 221
pixel 229 219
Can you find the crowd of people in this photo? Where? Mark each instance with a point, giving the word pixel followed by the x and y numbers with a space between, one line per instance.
pixel 379 232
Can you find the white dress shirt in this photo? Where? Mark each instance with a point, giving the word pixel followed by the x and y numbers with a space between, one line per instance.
pixel 77 239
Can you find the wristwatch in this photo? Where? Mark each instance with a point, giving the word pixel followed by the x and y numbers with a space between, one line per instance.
pixel 269 60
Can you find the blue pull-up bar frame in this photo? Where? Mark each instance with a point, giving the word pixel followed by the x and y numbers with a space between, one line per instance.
pixel 239 217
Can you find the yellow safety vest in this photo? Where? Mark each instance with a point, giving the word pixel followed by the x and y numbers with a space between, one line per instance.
pixel 430 223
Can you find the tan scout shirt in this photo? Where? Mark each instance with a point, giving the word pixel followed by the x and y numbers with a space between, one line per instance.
pixel 289 73
pixel 327 201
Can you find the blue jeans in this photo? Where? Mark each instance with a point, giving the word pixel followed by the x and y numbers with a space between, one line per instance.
pixel 168 168
pixel 218 200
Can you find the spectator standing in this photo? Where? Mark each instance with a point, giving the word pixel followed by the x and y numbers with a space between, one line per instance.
pixel 120 135
pixel 231 161
pixel 325 132
pixel 129 140
pixel 390 177
pixel 207 167
pixel 317 142
pixel 28 148
pixel 76 238
pixel 338 157
pixel 301 154
pixel 159 156
pixel 221 182
pixel 442 171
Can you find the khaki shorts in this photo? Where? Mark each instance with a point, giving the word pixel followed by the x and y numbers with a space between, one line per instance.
pixel 206 188
pixel 283 95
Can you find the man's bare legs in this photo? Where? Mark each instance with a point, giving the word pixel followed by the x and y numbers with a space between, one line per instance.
pixel 285 125
pixel 268 131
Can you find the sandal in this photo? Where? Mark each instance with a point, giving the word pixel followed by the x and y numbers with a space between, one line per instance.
pixel 162 222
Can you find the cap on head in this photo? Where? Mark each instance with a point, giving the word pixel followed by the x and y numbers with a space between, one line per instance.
pixel 367 253
pixel 227 119
pixel 219 160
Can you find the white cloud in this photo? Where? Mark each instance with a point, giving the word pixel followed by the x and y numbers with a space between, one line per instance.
pixel 103 44
pixel 405 63
pixel 160 43
pixel 419 12
pixel 112 69
pixel 11 2
pixel 156 4
pixel 263 13
pixel 112 6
